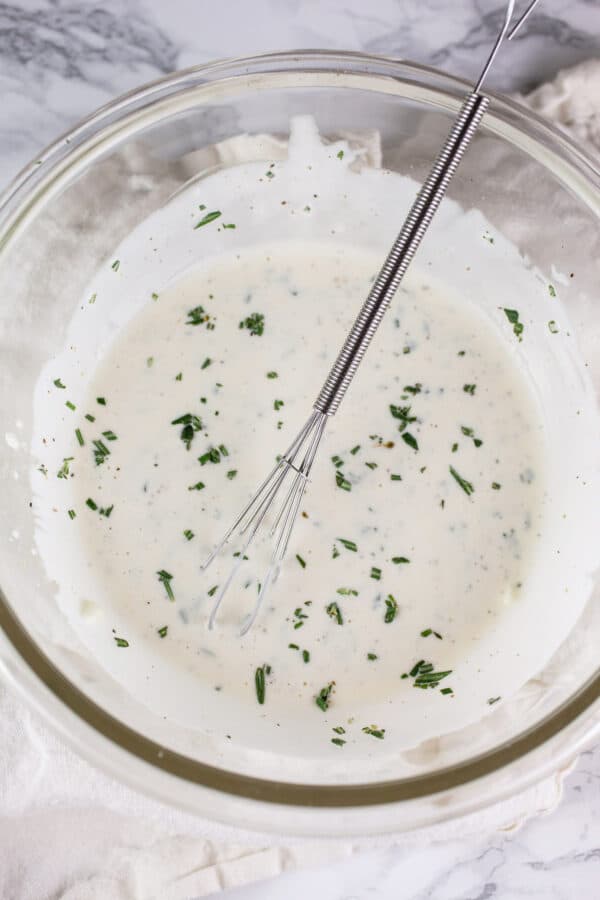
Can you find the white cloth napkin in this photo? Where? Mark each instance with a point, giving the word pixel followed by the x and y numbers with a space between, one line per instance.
pixel 70 832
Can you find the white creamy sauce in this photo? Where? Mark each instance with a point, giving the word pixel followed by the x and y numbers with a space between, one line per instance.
pixel 445 520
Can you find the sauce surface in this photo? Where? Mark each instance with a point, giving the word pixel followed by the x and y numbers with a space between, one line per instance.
pixel 420 586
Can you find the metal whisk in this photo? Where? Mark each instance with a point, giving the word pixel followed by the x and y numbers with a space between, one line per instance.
pixel 297 461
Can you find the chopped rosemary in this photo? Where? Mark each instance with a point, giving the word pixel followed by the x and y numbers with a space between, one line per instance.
pixel 513 317
pixel 342 482
pixel 335 613
pixel 191 425
pixel 207 219
pixel 101 451
pixel 349 545
pixel 165 579
pixel 374 731
pixel 323 697
pixel 301 561
pixel 462 482
pixel 64 472
pixel 410 440
pixel 255 324
pixel 403 414
pixel 199 316
pixel 259 682
pixel 391 609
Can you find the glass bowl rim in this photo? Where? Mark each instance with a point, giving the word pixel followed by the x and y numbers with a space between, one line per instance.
pixel 28 657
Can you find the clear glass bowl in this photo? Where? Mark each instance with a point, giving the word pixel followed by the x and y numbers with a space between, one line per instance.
pixel 550 206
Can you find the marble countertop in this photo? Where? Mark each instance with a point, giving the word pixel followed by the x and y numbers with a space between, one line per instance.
pixel 60 59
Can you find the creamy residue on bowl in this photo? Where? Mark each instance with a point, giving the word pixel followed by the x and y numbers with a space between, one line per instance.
pixel 443 550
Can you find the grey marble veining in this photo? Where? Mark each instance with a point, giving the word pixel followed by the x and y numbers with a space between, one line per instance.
pixel 61 59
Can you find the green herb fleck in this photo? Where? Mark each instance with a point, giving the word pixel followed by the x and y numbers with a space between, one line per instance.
pixel 374 731
pixel 300 560
pixel 64 472
pixel 410 440
pixel 121 642
pixel 513 317
pixel 339 742
pixel 207 219
pixel 395 477
pixel 101 401
pixel 552 290
pixel 191 425
pixel 91 503
pixel 272 375
pixel 375 573
pixel 71 513
pixel 493 700
pixel 552 327
pixel 90 417
pixel 391 609
pixel 496 486
pixel 277 404
pixel 347 592
pixel 162 632
pixel 199 486
pixel 355 450
pixel 101 451
pixel 188 534
pixel 323 697
pixel 399 560
pixel 340 154
pixel 403 414
pixel 206 363
pixel 259 682
pixel 231 474
pixel 70 405
pixel 306 656
pixel 342 482
pixel 115 265
pixel 255 324
pixel 349 545
pixel 462 482
pixel 469 388
pixel 199 316
pixel 335 613
pixel 165 579
pixel 58 383
pixel 79 437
